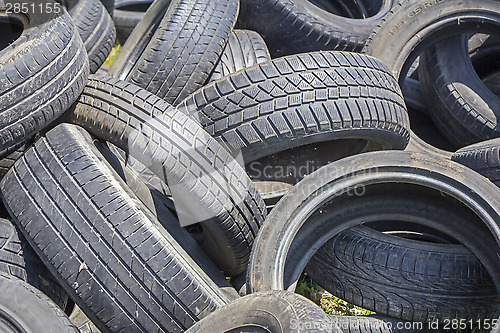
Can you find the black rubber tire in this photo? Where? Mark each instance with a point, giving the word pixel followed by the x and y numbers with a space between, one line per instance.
pixel 110 254
pixel 275 311
pixel 407 279
pixel 302 99
pixel 39 85
pixel 24 308
pixel 493 84
pixel 412 26
pixel 295 228
pixel 109 5
pixel 206 182
pixel 96 29
pixel 182 51
pixel 295 26
pixel 464 109
pixel 127 14
pixel 244 48
pixel 9 160
pixel 18 259
pixel 483 157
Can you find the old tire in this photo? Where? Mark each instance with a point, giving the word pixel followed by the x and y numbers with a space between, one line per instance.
pixel 110 254
pixel 38 86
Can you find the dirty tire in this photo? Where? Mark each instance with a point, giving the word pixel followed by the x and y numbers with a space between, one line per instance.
pixel 244 49
pixel 464 109
pixel 302 99
pixel 276 311
pixel 406 279
pixel 483 157
pixel 38 86
pixel 23 308
pixel 295 228
pixel 183 50
pixel 96 29
pixel 91 220
pixel 18 259
pixel 295 26
pixel 206 182
pixel 411 27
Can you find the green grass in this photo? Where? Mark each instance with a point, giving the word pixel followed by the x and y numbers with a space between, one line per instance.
pixel 329 303
pixel 113 54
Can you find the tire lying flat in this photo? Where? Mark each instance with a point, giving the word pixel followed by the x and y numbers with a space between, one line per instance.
pixel 110 254
pixel 24 308
pixel 206 182
pixel 38 86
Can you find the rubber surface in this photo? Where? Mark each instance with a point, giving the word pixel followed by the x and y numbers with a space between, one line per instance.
pixel 96 29
pixel 302 99
pixel 25 309
pixel 295 26
pixel 483 157
pixel 183 50
pixel 41 75
pixel 295 227
pixel 110 254
pixel 244 48
pixel 205 181
pixel 407 279
pixel 18 259
pixel 464 109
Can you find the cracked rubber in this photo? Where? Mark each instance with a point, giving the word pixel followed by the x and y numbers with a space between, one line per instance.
pixel 41 74
pixel 183 50
pixel 244 49
pixel 302 99
pixel 96 29
pixel 24 308
pixel 111 255
pixel 483 157
pixel 206 182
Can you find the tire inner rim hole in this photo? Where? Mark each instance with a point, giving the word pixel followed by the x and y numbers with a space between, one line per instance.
pixel 354 9
pixel 12 28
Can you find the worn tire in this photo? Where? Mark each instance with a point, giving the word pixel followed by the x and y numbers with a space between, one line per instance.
pixel 96 29
pixel 295 227
pixel 183 50
pixel 276 311
pixel 38 86
pixel 412 26
pixel 110 254
pixel 18 259
pixel 464 109
pixel 24 308
pixel 302 99
pixel 295 26
pixel 127 14
pixel 206 182
pixel 483 157
pixel 244 49
pixel 403 278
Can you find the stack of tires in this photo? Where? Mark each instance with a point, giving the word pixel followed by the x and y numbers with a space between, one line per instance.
pixel 234 147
